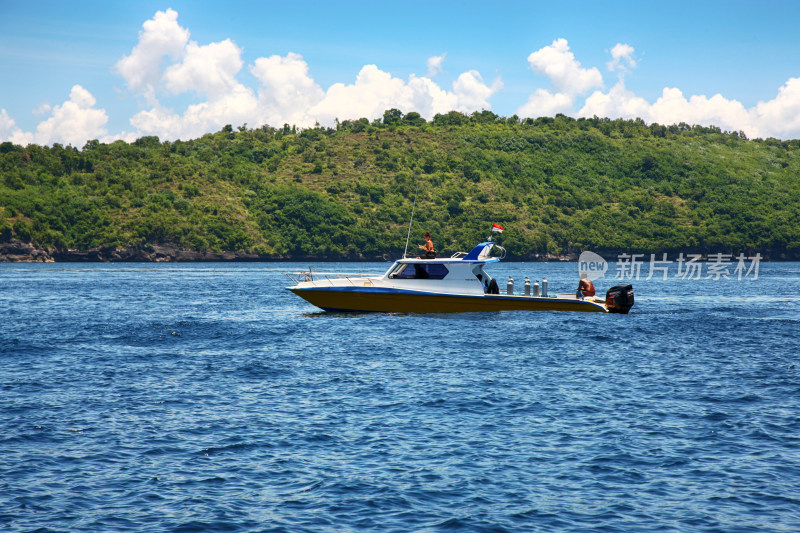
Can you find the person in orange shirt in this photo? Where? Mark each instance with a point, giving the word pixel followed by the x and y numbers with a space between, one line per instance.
pixel 430 253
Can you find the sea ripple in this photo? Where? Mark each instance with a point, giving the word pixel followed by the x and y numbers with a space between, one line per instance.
pixel 207 398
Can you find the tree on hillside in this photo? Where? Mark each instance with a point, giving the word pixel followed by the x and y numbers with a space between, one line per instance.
pixel 392 116
pixel 413 119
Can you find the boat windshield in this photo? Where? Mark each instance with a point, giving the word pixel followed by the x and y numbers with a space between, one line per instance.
pixel 420 271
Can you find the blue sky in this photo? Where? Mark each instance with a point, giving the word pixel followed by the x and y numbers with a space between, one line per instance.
pixel 70 72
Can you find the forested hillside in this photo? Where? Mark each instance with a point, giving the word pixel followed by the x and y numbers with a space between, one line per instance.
pixel 558 185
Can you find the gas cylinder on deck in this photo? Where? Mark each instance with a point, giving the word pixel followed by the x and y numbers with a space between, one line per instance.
pixel 527 286
pixel 510 286
pixel 536 288
pixel 544 287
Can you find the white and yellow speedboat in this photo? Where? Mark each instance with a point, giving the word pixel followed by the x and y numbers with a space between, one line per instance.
pixel 448 285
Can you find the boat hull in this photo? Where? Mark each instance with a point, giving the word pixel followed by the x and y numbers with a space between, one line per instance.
pixel 395 301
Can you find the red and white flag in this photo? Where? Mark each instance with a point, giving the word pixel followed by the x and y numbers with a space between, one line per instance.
pixel 497 227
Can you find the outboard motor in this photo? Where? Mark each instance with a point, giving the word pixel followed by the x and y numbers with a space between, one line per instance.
pixel 619 299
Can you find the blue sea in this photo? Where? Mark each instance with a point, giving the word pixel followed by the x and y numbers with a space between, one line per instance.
pixel 206 397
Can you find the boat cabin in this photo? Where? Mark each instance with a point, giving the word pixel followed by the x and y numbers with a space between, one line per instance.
pixel 460 274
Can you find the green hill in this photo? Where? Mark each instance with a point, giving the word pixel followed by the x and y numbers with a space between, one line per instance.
pixel 558 185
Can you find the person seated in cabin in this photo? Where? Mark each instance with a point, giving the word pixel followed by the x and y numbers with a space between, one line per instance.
pixel 585 287
pixel 430 253
pixel 420 272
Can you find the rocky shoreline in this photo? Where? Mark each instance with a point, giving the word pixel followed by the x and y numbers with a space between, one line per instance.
pixel 16 251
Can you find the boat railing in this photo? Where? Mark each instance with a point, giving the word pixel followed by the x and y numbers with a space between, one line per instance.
pixel 359 278
pixel 502 252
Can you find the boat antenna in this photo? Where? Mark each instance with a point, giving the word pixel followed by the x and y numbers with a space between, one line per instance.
pixel 413 206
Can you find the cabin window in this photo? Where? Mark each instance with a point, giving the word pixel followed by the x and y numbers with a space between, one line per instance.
pixel 421 271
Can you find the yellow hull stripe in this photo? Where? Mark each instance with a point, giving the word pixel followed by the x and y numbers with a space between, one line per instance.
pixel 332 300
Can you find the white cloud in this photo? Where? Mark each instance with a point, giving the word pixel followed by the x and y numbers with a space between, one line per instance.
pixel 616 103
pixel 472 94
pixel 428 98
pixel 543 103
pixel 780 117
pixel 566 74
pixel 672 108
pixel 373 92
pixel 7 124
pixel 209 70
pixel 158 121
pixel 235 107
pixel 238 106
pixel 125 136
pixel 287 92
pixel 43 109
pixel 434 65
pixel 165 66
pixel 73 122
pixel 621 58
pixel 161 37
pixel 9 130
